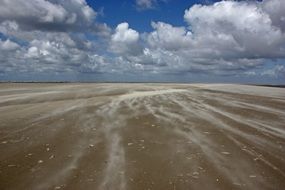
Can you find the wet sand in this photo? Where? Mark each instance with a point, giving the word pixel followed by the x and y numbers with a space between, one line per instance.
pixel 141 137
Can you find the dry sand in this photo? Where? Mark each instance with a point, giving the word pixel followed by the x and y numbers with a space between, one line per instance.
pixel 141 137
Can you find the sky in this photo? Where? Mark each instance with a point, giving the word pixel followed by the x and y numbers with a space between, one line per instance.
pixel 205 41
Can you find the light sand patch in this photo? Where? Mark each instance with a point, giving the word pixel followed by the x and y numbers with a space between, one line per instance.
pixel 150 93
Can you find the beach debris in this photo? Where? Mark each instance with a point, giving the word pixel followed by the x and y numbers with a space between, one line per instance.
pixel 29 155
pixel 195 173
pixel 226 153
pixel 129 144
pixel 51 157
pixel 40 161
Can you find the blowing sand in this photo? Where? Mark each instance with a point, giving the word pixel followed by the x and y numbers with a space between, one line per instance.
pixel 141 136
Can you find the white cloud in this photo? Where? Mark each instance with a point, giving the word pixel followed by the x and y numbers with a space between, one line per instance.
pixel 169 37
pixel 52 35
pixel 275 10
pixel 44 11
pixel 125 40
pixel 277 71
pixel 8 45
pixel 148 4
pixel 125 34
pixel 47 14
pixel 222 27
pixel 145 4
pixel 217 39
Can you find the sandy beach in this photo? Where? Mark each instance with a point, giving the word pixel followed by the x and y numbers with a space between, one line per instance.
pixel 141 136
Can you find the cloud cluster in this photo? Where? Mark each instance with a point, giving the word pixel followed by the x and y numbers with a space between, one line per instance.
pixel 248 35
pixel 64 36
pixel 41 36
pixel 57 15
pixel 277 71
pixel 218 38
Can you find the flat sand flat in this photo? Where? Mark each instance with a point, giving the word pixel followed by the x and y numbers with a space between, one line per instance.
pixel 141 136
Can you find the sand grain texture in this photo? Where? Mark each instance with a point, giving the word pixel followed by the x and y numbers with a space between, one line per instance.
pixel 141 136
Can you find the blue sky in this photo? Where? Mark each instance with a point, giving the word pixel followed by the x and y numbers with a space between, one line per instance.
pixel 143 41
pixel 171 12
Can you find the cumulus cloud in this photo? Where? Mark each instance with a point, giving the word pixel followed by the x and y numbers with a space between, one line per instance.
pixel 218 38
pixel 169 37
pixel 223 28
pixel 55 52
pixel 54 35
pixel 125 40
pixel 275 10
pixel 59 15
pixel 8 45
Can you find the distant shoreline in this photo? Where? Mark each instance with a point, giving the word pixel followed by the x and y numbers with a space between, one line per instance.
pixel 268 85
pixel 102 82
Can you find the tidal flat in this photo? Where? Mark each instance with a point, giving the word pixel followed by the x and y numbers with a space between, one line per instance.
pixel 128 136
